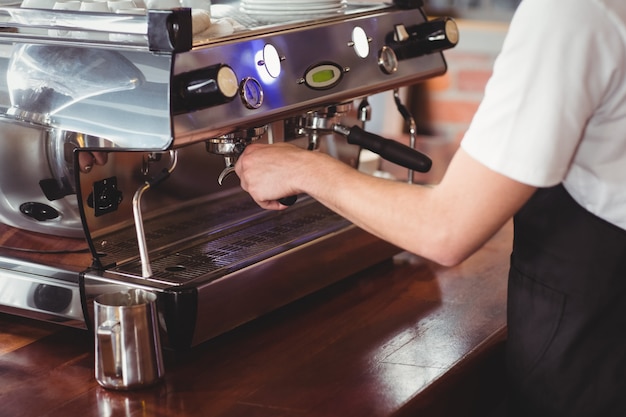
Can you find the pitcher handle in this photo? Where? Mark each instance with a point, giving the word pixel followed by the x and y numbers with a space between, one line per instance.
pixel 108 334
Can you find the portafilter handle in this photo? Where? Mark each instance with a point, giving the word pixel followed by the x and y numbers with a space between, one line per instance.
pixel 388 149
pixel 285 201
pixel 231 159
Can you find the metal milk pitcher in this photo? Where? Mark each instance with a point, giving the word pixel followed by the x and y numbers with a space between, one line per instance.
pixel 128 346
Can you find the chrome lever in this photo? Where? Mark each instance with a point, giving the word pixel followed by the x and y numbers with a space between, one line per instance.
pixel 225 173
pixel 410 121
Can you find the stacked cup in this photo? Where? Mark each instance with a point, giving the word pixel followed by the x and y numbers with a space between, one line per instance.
pixel 131 7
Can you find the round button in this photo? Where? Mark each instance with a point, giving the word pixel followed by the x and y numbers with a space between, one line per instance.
pixel 452 31
pixel 360 42
pixel 227 82
pixel 271 60
pixel 52 298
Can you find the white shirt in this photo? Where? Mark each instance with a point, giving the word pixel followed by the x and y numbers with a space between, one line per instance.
pixel 555 107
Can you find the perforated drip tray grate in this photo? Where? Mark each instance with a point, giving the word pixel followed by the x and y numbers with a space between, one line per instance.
pixel 222 251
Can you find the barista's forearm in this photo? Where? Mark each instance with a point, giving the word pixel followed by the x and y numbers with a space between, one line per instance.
pixel 445 223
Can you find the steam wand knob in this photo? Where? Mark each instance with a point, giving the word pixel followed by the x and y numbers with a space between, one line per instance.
pixel 426 38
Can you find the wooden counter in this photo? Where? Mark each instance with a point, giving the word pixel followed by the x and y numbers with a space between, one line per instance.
pixel 405 337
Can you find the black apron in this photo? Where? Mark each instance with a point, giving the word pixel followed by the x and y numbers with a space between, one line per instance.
pixel 566 348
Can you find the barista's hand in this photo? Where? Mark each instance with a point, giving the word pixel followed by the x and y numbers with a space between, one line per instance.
pixel 267 172
pixel 86 160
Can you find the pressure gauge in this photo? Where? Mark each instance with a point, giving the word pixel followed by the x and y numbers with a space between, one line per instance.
pixel 387 60
pixel 251 93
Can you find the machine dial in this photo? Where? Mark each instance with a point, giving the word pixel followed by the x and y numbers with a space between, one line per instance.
pixel 251 93
pixel 387 60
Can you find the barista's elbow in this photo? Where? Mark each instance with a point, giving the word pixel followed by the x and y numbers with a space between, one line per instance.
pixel 448 258
pixel 451 259
pixel 448 249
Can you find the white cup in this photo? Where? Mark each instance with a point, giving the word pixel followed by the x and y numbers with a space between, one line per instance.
pixel 64 5
pixel 115 5
pixel 94 6
pixel 132 10
pixel 162 4
pixel 369 162
pixel 197 4
pixel 67 5
pixel 128 38
pixel 38 4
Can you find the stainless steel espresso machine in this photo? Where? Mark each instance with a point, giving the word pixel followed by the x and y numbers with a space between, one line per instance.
pixel 160 108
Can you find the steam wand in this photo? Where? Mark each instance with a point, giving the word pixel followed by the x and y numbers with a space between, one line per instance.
pixel 146 270
pixel 408 119
pixel 364 112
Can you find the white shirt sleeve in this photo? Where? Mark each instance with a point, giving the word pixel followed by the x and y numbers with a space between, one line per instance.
pixel 556 70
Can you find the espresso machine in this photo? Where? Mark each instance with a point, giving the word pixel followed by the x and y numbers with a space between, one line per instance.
pixel 161 109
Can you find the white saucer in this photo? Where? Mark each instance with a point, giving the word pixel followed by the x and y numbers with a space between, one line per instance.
pixel 290 9
pixel 282 2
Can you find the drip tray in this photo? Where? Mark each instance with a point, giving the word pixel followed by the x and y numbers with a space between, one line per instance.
pixel 236 267
pixel 221 251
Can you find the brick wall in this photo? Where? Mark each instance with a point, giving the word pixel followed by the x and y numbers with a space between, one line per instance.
pixel 444 106
pixel 453 98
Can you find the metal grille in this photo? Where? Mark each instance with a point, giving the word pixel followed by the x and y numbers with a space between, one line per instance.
pixel 214 255
pixel 185 223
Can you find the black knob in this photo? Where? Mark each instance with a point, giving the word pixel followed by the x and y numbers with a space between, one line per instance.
pixel 288 201
pixel 426 38
pixel 52 298
pixel 204 88
pixel 409 4
pixel 39 211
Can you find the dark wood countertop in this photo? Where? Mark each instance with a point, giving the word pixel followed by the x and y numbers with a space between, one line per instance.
pixel 401 338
